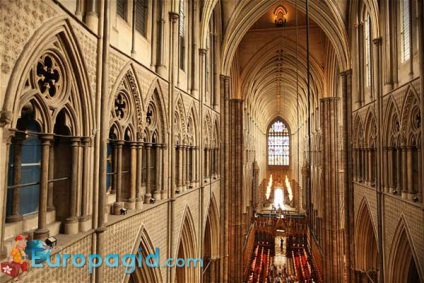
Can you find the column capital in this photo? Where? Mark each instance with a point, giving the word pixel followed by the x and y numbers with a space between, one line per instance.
pixel 133 143
pixel 203 51
pixel 346 72
pixel 120 143
pixel 75 141
pixel 377 41
pixel 86 140
pixel 148 145
pixel 173 16
pixel 46 137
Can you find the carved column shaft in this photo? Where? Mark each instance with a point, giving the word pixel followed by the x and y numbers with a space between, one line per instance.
pixel 333 234
pixel 159 149
pixel 17 166
pixel 85 178
pixel 42 231
pixel 74 180
pixel 139 192
pixel 148 173
pixel 118 170
pixel 133 172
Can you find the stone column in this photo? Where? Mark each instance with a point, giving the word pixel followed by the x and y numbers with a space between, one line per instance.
pixel 404 184
pixel 71 224
pixel 148 194
pixel 157 193
pixel 364 165
pixel 180 167
pixel 164 187
pixel 195 164
pixel 133 176
pixel 188 160
pixel 160 65
pixel 91 17
pixel 42 232
pixel 410 180
pixel 78 10
pixel 50 203
pixel 85 185
pixel 17 162
pixel 139 192
pixel 389 173
pixel 400 167
pixel 183 167
pixel 369 165
pixel 212 277
pixel 235 187
pixel 333 233
pixel 118 202
pixel 207 156
pixel 115 169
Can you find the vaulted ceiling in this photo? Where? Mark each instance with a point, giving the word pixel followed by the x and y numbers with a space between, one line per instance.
pixel 272 61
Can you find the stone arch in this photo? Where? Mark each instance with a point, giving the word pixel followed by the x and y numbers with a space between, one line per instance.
pixel 145 273
pixel 54 45
pixel 372 7
pixel 403 261
pixel 250 11
pixel 213 217
pixel 267 53
pixel 156 94
pixel 370 128
pixel 211 242
pixel 126 94
pixel 391 121
pixel 410 105
pixel 192 125
pixel 207 137
pixel 358 130
pixel 179 107
pixel 366 248
pixel 186 248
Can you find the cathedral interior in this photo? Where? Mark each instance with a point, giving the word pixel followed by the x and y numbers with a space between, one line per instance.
pixel 275 140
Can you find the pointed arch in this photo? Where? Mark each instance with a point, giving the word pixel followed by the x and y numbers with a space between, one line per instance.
pixel 366 248
pixel 57 43
pixel 207 136
pixel 392 121
pixel 358 130
pixel 126 97
pixel 213 218
pixel 402 256
pixel 156 94
pixel 192 124
pixel 186 248
pixel 370 128
pixel 180 108
pixel 411 103
pixel 247 13
pixel 145 273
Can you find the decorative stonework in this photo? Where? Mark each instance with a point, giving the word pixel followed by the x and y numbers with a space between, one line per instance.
pixel 88 44
pixel 19 20
pixel 115 68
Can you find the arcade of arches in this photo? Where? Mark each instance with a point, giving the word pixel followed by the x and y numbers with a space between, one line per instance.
pixel 275 140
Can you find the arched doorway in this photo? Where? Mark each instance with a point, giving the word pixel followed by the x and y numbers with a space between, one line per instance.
pixel 366 246
pixel 145 273
pixel 402 262
pixel 210 245
pixel 185 271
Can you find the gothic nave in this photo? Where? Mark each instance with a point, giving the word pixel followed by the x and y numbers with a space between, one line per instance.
pixel 272 140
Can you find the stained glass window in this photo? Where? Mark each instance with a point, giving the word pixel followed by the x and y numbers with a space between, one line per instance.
pixel 278 144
